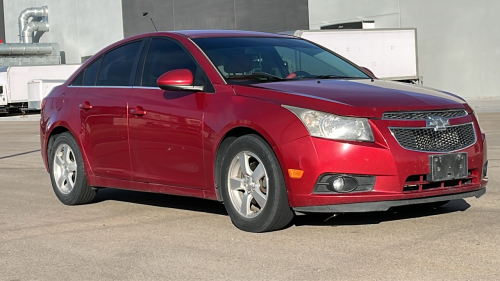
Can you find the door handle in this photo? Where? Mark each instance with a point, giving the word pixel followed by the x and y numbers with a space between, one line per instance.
pixel 138 110
pixel 85 105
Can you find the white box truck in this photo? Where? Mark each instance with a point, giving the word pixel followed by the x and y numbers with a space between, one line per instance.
pixel 391 54
pixel 14 82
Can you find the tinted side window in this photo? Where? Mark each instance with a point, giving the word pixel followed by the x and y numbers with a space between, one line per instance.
pixel 91 73
pixel 165 55
pixel 117 66
pixel 79 79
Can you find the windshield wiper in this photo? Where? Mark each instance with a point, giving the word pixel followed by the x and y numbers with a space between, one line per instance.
pixel 329 76
pixel 257 75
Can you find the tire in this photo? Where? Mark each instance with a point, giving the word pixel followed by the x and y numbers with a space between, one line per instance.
pixel 67 172
pixel 255 197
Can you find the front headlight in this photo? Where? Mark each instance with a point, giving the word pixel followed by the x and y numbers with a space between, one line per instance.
pixel 326 125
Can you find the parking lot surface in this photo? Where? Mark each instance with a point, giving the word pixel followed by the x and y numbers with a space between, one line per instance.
pixel 126 235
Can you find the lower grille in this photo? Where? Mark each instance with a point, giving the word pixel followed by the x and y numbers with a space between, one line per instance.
pixel 427 139
pixel 416 183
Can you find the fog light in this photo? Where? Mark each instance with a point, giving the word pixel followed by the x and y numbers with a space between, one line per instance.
pixel 485 169
pixel 342 184
pixel 338 184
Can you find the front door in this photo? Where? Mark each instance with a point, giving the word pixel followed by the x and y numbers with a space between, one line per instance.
pixel 166 126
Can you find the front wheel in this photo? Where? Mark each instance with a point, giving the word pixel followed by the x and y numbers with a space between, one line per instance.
pixel 67 172
pixel 253 187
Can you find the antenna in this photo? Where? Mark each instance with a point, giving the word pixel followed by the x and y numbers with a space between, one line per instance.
pixel 145 14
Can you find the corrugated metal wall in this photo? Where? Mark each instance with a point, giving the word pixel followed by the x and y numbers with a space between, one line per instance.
pixel 258 15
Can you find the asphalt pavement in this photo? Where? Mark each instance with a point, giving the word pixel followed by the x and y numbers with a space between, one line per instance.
pixel 126 235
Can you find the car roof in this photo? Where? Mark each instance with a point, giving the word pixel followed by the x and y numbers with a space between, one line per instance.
pixel 225 33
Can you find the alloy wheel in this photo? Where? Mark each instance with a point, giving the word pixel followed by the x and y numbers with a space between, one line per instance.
pixel 248 184
pixel 65 168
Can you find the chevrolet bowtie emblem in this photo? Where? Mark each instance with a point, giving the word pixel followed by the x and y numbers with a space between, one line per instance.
pixel 438 123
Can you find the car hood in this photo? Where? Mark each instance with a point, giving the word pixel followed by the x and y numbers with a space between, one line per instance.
pixel 362 97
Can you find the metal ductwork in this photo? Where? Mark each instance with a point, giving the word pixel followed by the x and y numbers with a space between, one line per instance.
pixel 27 34
pixel 25 49
pixel 26 52
pixel 26 30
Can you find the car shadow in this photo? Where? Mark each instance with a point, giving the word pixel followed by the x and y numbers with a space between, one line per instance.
pixel 216 208
pixel 161 200
pixel 393 214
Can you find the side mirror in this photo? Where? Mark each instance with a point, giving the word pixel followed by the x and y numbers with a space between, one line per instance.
pixel 368 71
pixel 178 80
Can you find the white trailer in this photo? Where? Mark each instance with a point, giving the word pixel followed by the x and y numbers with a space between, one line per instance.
pixel 391 54
pixel 14 82
pixel 38 90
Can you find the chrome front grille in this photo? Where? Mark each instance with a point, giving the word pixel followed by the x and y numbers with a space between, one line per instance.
pixel 427 139
pixel 423 115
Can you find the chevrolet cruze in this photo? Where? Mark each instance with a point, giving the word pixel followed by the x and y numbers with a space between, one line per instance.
pixel 267 124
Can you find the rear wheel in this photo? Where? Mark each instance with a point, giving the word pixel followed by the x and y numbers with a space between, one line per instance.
pixel 67 172
pixel 253 187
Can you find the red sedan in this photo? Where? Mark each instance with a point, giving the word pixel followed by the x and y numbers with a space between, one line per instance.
pixel 268 124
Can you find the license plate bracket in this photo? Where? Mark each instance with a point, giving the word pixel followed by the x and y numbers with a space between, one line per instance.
pixel 448 167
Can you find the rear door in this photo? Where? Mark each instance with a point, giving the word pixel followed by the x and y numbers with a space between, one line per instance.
pixel 102 103
pixel 166 137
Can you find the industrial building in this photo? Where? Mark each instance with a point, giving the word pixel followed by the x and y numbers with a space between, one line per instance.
pixel 458 48
pixel 81 28
pixel 458 40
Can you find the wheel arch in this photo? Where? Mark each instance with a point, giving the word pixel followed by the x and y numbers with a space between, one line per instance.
pixel 228 138
pixel 53 135
pixel 58 129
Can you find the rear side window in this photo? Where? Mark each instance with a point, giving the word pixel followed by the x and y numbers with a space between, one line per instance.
pixel 165 55
pixel 117 65
pixel 91 73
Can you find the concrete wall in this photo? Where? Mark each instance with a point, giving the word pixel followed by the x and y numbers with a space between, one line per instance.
pixel 80 27
pixel 259 15
pixel 458 40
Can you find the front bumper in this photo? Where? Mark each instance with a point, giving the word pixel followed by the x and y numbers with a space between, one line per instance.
pixel 385 205
pixel 384 159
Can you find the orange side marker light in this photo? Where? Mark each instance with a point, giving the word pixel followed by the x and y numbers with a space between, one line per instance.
pixel 295 174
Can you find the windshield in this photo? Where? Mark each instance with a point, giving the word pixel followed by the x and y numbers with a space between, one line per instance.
pixel 267 59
